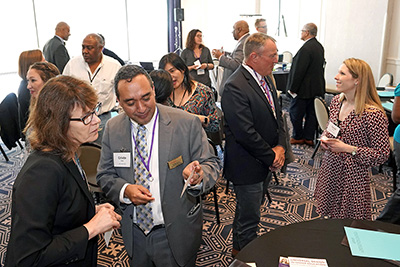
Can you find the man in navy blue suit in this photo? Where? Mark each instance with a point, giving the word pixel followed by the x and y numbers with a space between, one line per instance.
pixel 305 82
pixel 254 134
pixel 54 50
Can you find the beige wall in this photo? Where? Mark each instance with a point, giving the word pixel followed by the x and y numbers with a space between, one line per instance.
pixel 366 29
pixel 392 59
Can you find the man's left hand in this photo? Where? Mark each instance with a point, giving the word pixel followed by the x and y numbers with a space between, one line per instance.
pixel 197 175
pixel 279 157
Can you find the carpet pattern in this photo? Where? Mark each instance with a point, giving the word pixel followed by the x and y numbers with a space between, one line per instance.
pixel 292 202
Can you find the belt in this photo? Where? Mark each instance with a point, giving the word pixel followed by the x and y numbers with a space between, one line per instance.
pixel 158 226
pixel 155 227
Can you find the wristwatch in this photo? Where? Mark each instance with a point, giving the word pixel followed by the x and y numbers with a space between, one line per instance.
pixel 354 152
pixel 205 120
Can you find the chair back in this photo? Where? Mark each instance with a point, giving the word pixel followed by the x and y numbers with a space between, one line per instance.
pixel 89 157
pixel 321 112
pixel 9 122
pixel 217 137
pixel 386 80
pixel 287 57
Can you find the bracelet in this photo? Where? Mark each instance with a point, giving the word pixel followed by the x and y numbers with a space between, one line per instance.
pixel 207 66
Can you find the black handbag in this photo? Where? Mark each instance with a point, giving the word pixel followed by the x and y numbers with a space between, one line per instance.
pixel 391 212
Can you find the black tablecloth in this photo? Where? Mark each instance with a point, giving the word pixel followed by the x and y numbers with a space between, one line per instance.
pixel 312 239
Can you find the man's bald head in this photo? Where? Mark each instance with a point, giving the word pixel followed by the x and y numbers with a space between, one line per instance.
pixel 240 28
pixel 63 30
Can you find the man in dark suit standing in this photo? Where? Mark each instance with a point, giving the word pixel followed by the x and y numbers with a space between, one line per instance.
pixel 254 134
pixel 305 82
pixel 54 50
pixel 231 61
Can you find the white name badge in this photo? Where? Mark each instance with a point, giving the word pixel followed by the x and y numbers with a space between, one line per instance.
pixel 333 129
pixel 122 159
pixel 201 72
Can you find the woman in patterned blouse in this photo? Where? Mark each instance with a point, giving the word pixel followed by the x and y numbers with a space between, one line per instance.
pixel 356 139
pixel 189 95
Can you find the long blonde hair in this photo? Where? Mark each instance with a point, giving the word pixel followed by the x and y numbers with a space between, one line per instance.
pixel 366 95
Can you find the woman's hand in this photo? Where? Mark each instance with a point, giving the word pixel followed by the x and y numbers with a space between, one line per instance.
pixel 104 220
pixel 336 145
pixel 204 66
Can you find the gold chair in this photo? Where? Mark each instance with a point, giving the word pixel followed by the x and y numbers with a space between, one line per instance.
pixel 89 156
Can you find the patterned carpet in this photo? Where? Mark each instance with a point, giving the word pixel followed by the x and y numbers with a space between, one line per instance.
pixel 292 202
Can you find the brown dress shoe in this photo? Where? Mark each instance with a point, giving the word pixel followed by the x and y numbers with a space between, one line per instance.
pixel 309 142
pixel 234 252
pixel 296 142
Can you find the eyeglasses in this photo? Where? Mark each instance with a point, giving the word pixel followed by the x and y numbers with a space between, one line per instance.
pixel 88 117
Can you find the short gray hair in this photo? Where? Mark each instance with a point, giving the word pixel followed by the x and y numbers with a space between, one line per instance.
pixel 255 43
pixel 311 28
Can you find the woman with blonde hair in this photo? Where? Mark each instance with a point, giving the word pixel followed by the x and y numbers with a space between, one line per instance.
pixel 355 140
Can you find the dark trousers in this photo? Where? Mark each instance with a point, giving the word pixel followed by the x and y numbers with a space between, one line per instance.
pixel 299 109
pixel 247 215
pixel 391 211
pixel 153 250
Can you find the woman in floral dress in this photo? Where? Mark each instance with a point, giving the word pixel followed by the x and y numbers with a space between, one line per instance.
pixel 356 139
pixel 189 95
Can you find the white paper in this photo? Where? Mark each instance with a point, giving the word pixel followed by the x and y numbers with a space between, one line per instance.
pixel 294 95
pixel 107 236
pixel 187 182
pixel 307 262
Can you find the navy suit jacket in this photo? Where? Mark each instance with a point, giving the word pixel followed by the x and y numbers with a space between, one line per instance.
pixel 306 77
pixel 55 52
pixel 251 129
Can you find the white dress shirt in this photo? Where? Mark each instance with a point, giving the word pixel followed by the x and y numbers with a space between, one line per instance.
pixel 102 79
pixel 154 167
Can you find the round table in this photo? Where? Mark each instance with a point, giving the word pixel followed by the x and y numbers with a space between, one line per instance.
pixel 320 238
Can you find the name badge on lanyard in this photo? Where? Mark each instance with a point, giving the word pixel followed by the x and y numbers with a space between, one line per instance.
pixel 333 129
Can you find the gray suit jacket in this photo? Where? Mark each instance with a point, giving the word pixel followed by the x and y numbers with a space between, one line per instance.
pixel 180 134
pixel 54 51
pixel 232 62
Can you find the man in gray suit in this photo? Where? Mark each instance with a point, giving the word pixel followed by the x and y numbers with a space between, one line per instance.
pixel 177 151
pixel 231 61
pixel 54 50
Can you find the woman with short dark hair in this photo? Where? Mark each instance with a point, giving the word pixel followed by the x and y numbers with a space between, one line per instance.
pixel 163 86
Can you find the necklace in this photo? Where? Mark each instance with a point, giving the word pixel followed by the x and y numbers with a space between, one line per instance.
pixel 180 102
